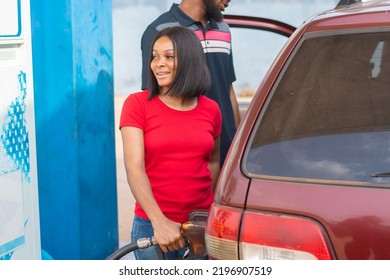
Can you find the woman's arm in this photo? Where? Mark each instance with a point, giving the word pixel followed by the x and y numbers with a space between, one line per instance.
pixel 166 232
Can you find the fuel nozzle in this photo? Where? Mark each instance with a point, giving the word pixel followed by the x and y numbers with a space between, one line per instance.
pixel 146 242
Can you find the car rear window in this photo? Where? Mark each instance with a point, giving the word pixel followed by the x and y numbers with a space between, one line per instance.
pixel 328 116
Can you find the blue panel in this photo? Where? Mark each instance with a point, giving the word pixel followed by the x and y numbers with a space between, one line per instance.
pixel 74 112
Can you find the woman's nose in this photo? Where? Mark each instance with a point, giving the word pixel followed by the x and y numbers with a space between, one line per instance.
pixel 160 62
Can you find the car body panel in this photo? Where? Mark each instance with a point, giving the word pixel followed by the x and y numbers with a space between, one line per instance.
pixel 356 219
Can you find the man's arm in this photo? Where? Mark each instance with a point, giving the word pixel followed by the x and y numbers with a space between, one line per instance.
pixel 236 109
pixel 214 164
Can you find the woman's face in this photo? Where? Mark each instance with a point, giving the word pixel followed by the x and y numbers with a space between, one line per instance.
pixel 163 63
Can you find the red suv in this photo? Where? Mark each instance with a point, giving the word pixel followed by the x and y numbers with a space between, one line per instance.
pixel 308 173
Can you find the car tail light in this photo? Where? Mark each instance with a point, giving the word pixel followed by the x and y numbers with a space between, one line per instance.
pixel 264 236
pixel 274 236
pixel 222 229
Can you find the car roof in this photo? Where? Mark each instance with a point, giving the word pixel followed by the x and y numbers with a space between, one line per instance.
pixel 359 15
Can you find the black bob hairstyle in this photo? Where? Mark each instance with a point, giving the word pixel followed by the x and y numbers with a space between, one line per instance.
pixel 192 77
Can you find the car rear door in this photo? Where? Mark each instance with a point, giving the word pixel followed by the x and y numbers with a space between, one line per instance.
pixel 318 156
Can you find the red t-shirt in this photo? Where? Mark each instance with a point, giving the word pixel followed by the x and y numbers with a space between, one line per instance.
pixel 178 146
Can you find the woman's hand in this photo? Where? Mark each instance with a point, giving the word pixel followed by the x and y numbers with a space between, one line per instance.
pixel 168 235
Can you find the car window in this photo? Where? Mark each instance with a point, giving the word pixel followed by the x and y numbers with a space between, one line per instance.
pixel 328 116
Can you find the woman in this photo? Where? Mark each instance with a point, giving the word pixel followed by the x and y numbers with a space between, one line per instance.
pixel 170 135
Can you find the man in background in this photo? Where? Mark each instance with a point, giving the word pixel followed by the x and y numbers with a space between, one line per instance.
pixel 205 18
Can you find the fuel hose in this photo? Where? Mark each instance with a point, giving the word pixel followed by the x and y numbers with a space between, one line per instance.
pixel 141 243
